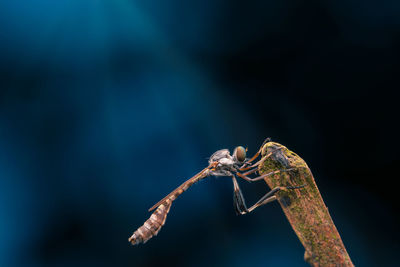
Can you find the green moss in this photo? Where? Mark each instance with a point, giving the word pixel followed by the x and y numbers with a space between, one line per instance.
pixel 303 207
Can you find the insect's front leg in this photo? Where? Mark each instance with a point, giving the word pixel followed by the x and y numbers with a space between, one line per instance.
pixel 244 168
pixel 249 161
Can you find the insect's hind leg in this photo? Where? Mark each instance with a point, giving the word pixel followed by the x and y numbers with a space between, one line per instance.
pixel 239 201
pixel 266 201
pixel 270 196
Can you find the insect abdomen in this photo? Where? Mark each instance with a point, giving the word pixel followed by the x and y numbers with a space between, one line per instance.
pixel 152 226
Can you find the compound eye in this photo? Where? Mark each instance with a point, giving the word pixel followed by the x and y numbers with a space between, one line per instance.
pixel 240 153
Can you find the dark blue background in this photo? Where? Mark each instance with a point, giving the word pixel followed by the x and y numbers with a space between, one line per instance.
pixel 106 106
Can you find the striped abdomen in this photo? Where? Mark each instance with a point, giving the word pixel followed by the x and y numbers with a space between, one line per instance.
pixel 183 187
pixel 152 226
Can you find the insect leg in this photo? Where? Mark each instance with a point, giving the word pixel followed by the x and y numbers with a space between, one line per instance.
pixel 269 197
pixel 261 177
pixel 268 200
pixel 250 172
pixel 260 161
pixel 238 200
pixel 257 154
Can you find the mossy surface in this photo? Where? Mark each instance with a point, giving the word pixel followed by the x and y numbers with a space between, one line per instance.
pixel 304 207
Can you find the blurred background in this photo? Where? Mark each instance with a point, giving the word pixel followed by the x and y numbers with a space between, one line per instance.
pixel 107 106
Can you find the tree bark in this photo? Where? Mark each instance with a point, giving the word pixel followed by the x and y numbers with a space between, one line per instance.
pixel 304 207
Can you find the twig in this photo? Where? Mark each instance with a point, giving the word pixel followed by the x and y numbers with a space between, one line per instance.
pixel 304 208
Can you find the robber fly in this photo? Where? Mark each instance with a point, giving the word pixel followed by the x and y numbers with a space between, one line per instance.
pixel 221 163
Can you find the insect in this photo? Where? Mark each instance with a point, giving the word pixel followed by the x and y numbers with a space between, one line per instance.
pixel 221 163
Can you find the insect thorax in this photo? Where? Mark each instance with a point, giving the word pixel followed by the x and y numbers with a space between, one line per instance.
pixel 219 154
pixel 226 163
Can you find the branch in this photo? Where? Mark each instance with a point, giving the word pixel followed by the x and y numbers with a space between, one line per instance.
pixel 304 208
